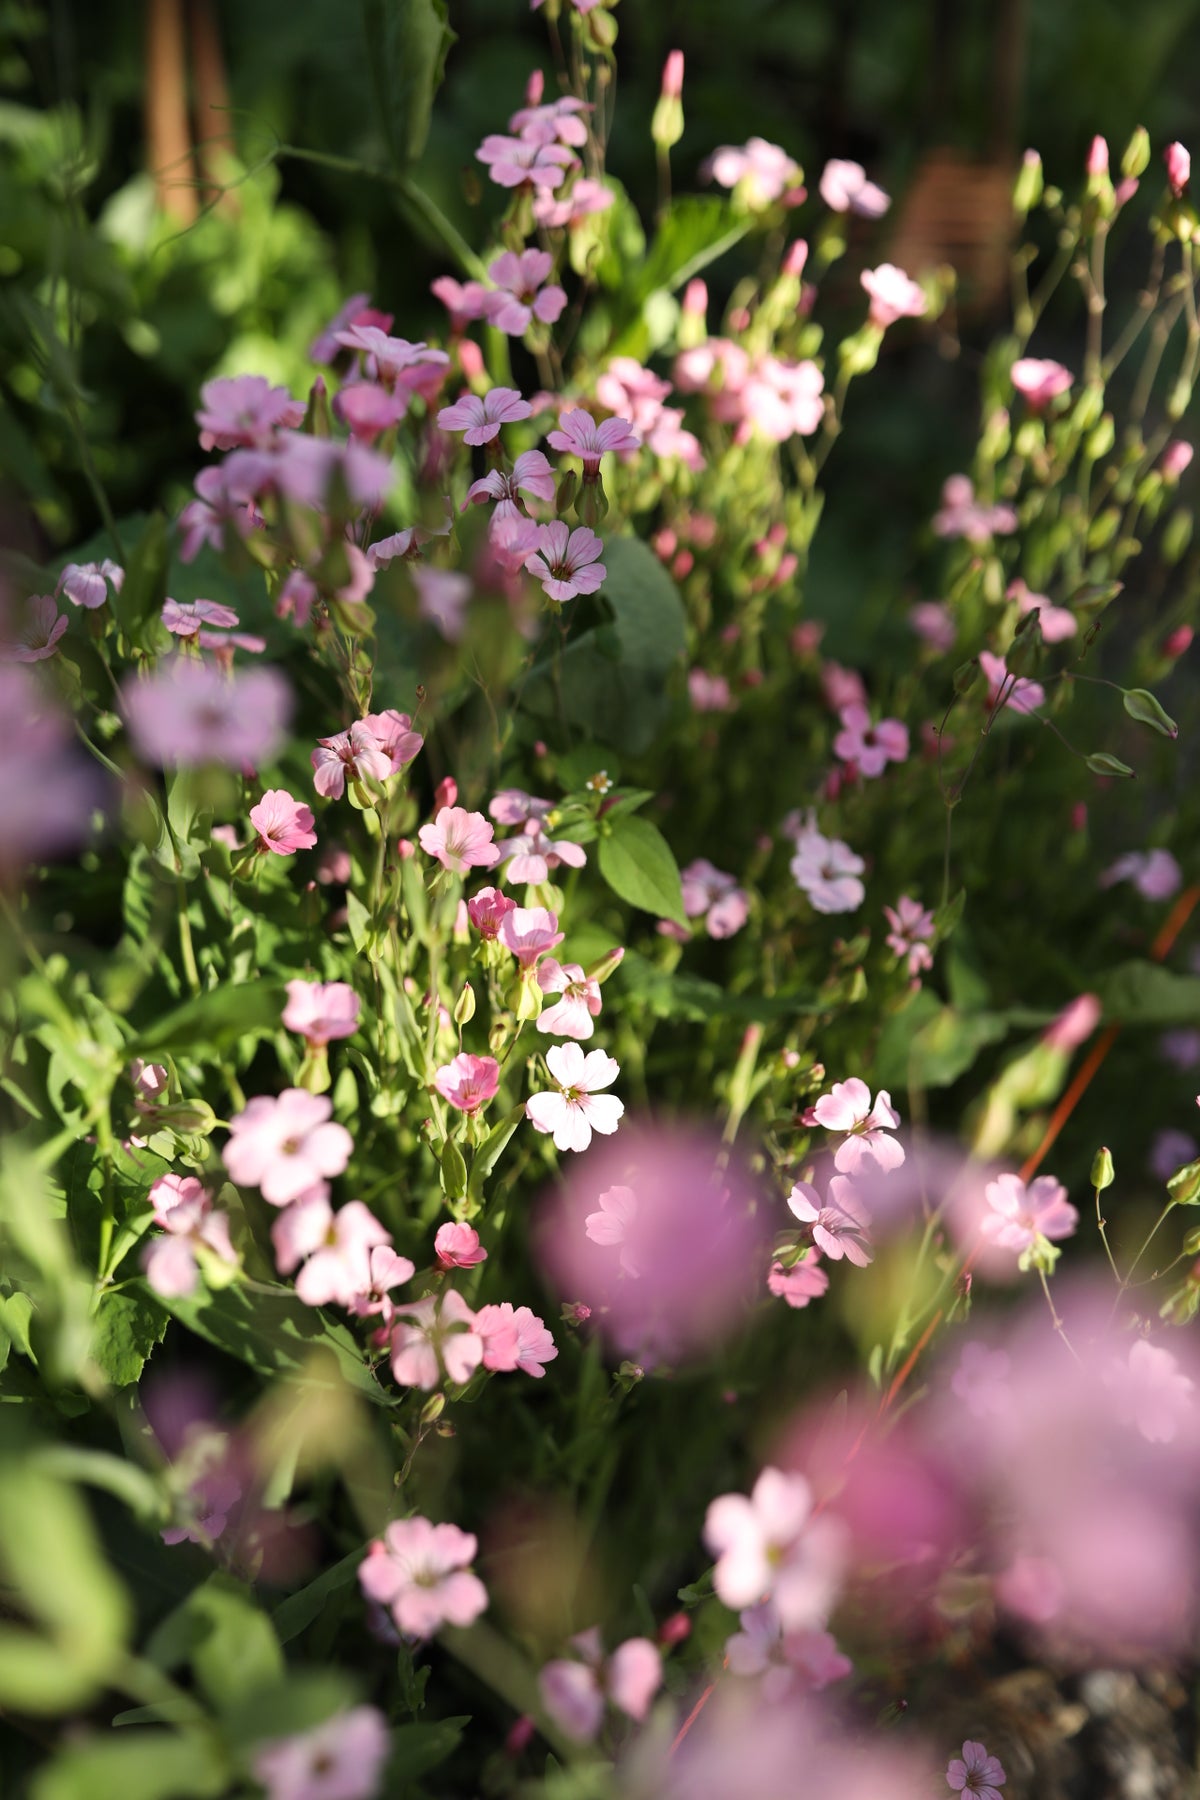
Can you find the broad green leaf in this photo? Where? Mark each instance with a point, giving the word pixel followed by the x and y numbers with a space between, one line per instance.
pixel 228 1639
pixel 137 1765
pixel 126 1328
pixel 416 1749
pixel 697 229
pixel 1144 993
pixel 407 45
pixel 216 1020
pixel 636 861
pixel 35 1676
pixel 308 1697
pixel 297 1612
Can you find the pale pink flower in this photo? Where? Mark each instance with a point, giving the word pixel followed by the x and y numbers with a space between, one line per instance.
pixel 513 806
pixel 184 1210
pixel 977 1773
pixel 480 420
pixel 468 1082
pixel 87 584
pixel 848 1107
pixel 844 188
pixel 770 1547
pixel 567 562
pixel 367 409
pixel 980 1381
pixel 783 1660
pixel 186 619
pixel 708 693
pixel 613 1225
pixel 555 119
pixel 1074 1024
pixel 574 1692
pixel 385 1270
pixel 286 1143
pixel 487 911
pixel 841 1225
pixel 1056 623
pixel 460 840
pixel 321 1010
pixel 530 474
pixel 395 361
pixel 1175 459
pixel 464 301
pixel 710 891
pixel 1021 695
pixel 523 295
pixel 187 713
pixel 911 933
pixel 443 596
pixel 1040 380
pixel 302 1227
pixel 1152 1392
pixel 532 855
pixel 357 310
pixel 932 621
pixel 576 1107
pixel 963 515
pixel 761 172
pixel 626 387
pixel 419 1571
pixel 395 735
pixel 296 598
pixel 512 162
pixel 1020 1215
pixel 529 931
pixel 804 1281
pixel 458 1247
pixel 828 871
pixel 870 747
pixel 842 687
pixel 341 1759
pixel 780 399
pixel 430 1335
pixel 1179 167
pixel 244 410
pixel 514 1338
pixel 284 825
pixel 339 1269
pixel 1154 873
pixel 571 1016
pixel 579 435
pixel 43 627
pixel 893 294
pixel 307 469
pixel 348 756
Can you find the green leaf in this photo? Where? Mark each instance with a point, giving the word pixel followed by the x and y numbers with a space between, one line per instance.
pixel 1144 993
pixel 416 1749
pixel 669 994
pixel 491 1150
pixel 216 1020
pixel 229 1641
pixel 1141 705
pixel 307 1698
pixel 637 863
pixel 697 229
pixel 145 586
pixel 127 1326
pixel 139 1490
pixel 35 1676
pixel 931 1045
pixel 297 1612
pixel 140 1765
pixel 407 45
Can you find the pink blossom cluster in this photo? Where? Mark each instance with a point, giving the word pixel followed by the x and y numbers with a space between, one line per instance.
pixel 576 1690
pixel 826 870
pixel 192 1227
pixel 775 397
pixel 375 747
pixel 710 894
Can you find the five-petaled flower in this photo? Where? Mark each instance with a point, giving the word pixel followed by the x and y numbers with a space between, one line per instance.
pixel 579 435
pixel 976 1773
pixel 480 420
pixel 840 1223
pixel 1020 1215
pixel 575 1106
pixel 460 840
pixel 869 747
pixel 285 1143
pixel 567 562
pixel 420 1571
pixel 321 1010
pixel 468 1082
pixel 848 1107
pixel 284 825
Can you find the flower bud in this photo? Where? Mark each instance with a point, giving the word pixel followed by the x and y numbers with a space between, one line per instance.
pixel 966 675
pixel 464 1007
pixel 1101 763
pixel 1136 159
pixel 606 965
pixel 1141 705
pixel 1184 1185
pixel 1029 184
pixel 1102 1169
pixel 433 1409
pixel 1179 167
pixel 535 87
pixel 666 127
pixel 1097 158
pixel 1175 459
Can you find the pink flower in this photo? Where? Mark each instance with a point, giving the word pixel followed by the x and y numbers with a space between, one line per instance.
pixel 529 931
pixel 761 172
pixel 43 627
pixel 572 1015
pixel 396 737
pixel 1039 380
pixel 1057 623
pixel 367 409
pixel 87 584
pixel 769 1546
pixel 585 198
pixel 458 1246
pixel 443 596
pixel 574 1693
pixel 977 1773
pixel 468 1082
pixel 613 1226
pixel 828 871
pixel 183 1208
pixel 579 435
pixel 870 747
pixel 963 515
pixel 512 162
pixel 1152 1392
pixel 1154 873
pixel 348 756
pixel 1179 167
pixel 627 388
pixel 848 1107
pixel 513 806
pixel 419 1570
pixel 186 620
pixel 710 891
pixel 522 295
pixel 532 855
pixel 708 693
pixel 480 420
pixel 559 120
pixel 785 1661
pixel 844 188
pixel 804 1281
pixel 1175 459
pixel 244 410
pixel 283 825
pixel 894 295
pixel 530 474
pixel 285 1144
pixel 321 1011
pixel 840 1222
pixel 341 1759
pixel 431 1335
pixel 514 1339
pixel 188 713
pixel 460 840
pixel 912 930
pixel 394 361
pixel 1020 1215
pixel 1023 696
pixel 567 562
pixel 932 621
pixel 576 1107
pixel 780 399
pixel 1074 1024
pixel 339 1269
pixel 488 910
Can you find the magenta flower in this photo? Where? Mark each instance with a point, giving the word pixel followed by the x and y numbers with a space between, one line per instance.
pixel 285 1144
pixel 1039 380
pixel 912 930
pixel 186 619
pixel 488 910
pixel 419 1570
pixel 977 1773
pixel 840 1223
pixel 870 747
pixel 1154 873
pixel 529 931
pixel 848 1107
pixel 244 411
pixel 531 856
pixel 283 825
pixel 43 627
pixel 708 890
pixel 523 295
pixel 530 474
pixel 394 361
pixel 184 1210
pixel 396 737
pixel 458 1246
pixel 804 1281
pixel 342 1759
pixel 572 1015
pixel 367 409
pixel 567 562
pixel 460 840
pixel 188 713
pixel 828 871
pixel 431 1335
pixel 468 1082
pixel 933 623
pixel 575 1106
pixel 844 188
pixel 465 301
pixel 574 1693
pixel 579 435
pixel 893 294
pixel 87 584
pixel 321 1010
pixel 348 756
pixel 480 420
pixel 963 515
pixel 769 1546
pixel 761 172
pixel 1020 1215
pixel 514 1338
pixel 514 162
pixel 585 198
pixel 1023 696
pixel 339 1269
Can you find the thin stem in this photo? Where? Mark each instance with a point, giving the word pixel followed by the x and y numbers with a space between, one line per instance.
pixel 414 201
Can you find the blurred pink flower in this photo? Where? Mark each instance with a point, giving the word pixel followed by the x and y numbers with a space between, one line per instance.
pixel 585 198
pixel 514 1338
pixel 840 1222
pixel 339 1269
pixel 581 1002
pixel 870 747
pixel 977 1773
pixel 87 584
pixel 443 596
pixel 394 361
pixel 785 1661
pixel 186 619
pixel 367 409
pixel 932 621
pixel 560 119
pixel 708 693
pixel 1057 623
pixel 574 1692
pixel 981 1381
pixel 1020 1215
pixel 286 1143
pixel 1040 380
pixel 1179 167
pixel 963 515
pixel 1021 695
pixel 615 1223
pixel 1169 1151
pixel 1152 1392
pixel 468 1082
pixel 780 399
pixel 432 1334
pixel 769 1546
pixel 284 825
pixel 458 1246
pixel 576 1107
pixel 911 931
pixel 43 627
pixel 844 188
pixel 513 162
pixel 321 1011
pixel 523 295
pixel 184 1210
pixel 709 891
pixel 804 1281
pixel 342 1759
pixel 828 871
pixel 532 856
pixel 244 410
pixel 848 1107
pixel 460 840
pixel 893 295
pixel 762 172
pixel 419 1571
pixel 1154 873
pixel 187 713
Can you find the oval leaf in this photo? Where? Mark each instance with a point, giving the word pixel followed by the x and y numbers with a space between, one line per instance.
pixel 636 861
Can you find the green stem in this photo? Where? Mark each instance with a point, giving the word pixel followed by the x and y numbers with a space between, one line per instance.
pixel 414 202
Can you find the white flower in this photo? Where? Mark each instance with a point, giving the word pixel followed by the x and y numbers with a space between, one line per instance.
pixel 576 1108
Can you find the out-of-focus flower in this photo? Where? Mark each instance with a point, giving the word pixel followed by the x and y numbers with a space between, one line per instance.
pixel 963 515
pixel 975 1772
pixel 1056 623
pixel 828 871
pixel 759 171
pixel 784 1661
pixel 187 713
pixel 868 746
pixel 708 693
pixel 513 162
pixel 321 1010
pixel 1020 1215
pixel 770 1546
pixel 286 1143
pixel 1040 380
pixel 340 1760
pixel 1007 690
pixel 532 855
pixel 893 295
pixel 433 1334
pixel 932 621
pixel 244 410
pixel 522 294
pixel 526 1343
pixel 844 188
pixel 183 1209
pixel 1154 873
pixel 910 933
pixel 574 1692
pixel 39 635
pixel 1179 167
pixel 708 891
pixel 339 1269
pixel 803 1282
pixel 1169 1151
pixel 87 584
pixel 420 1572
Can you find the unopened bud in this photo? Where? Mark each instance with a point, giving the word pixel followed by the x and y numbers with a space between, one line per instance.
pixel 464 1006
pixel 606 965
pixel 1179 167
pixel 1029 184
pixel 666 127
pixel 1137 153
pixel 433 1409
pixel 1097 158
pixel 1184 1185
pixel 535 87
pixel 966 675
pixel 1102 1169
